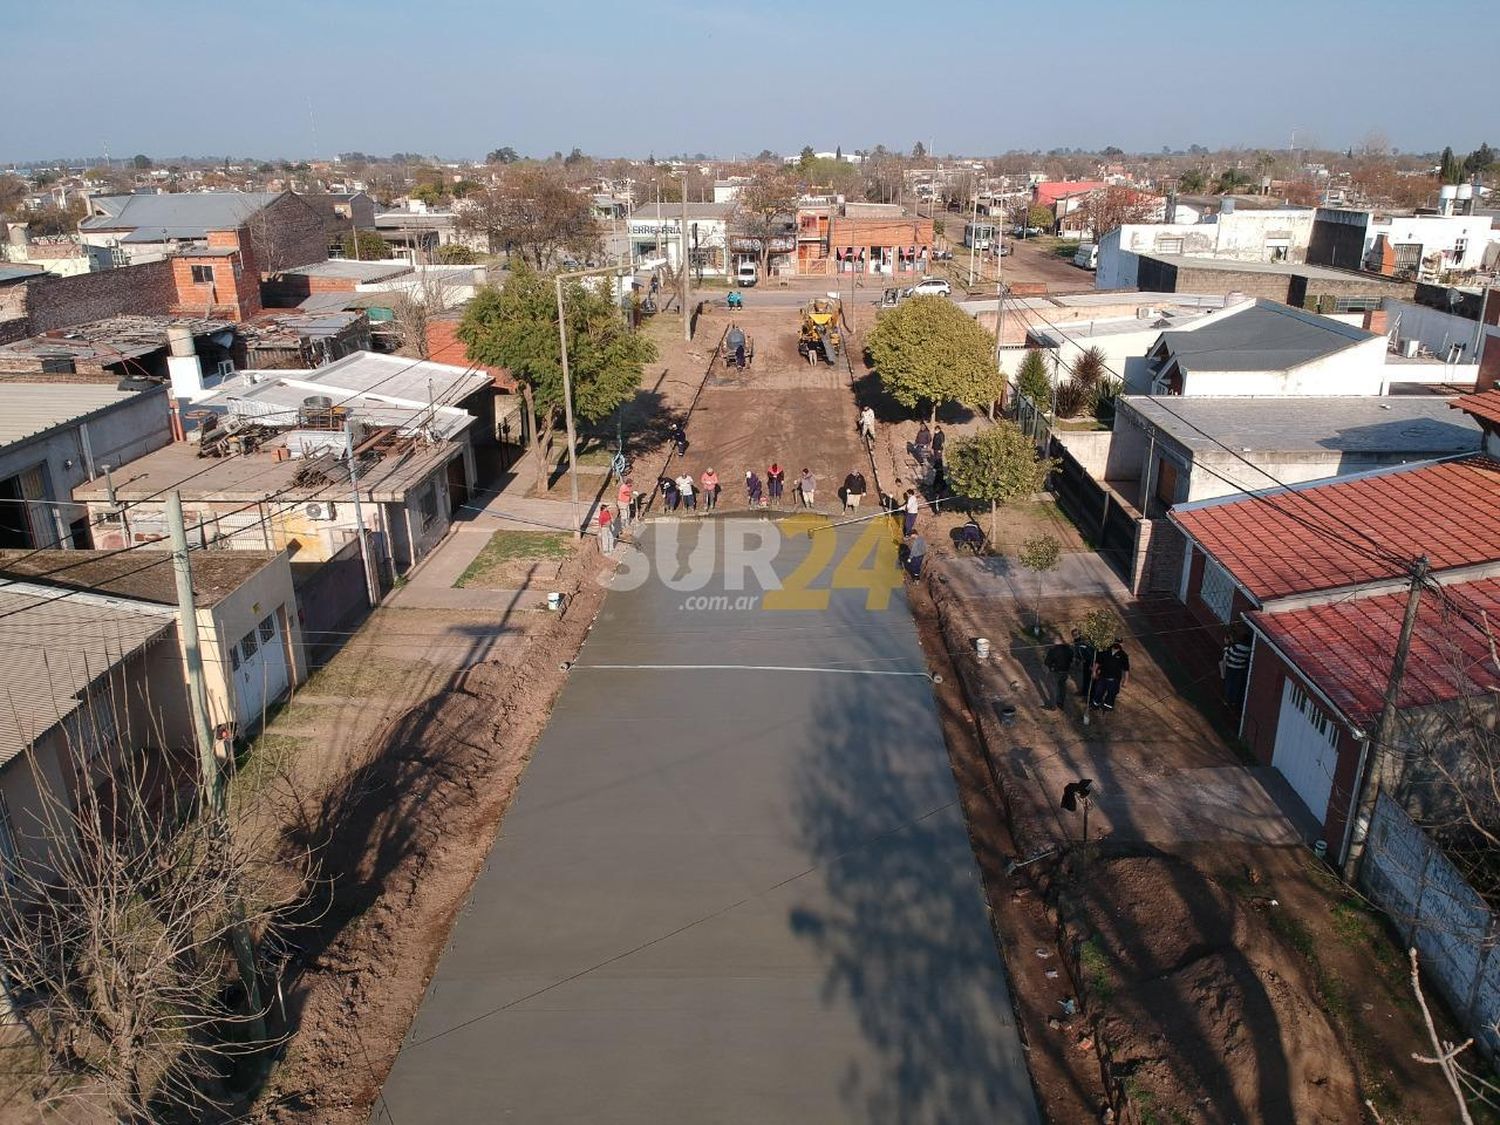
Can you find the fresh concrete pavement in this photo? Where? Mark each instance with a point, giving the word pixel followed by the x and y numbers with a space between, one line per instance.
pixel 735 884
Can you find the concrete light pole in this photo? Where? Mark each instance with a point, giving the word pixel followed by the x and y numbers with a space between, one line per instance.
pixel 567 382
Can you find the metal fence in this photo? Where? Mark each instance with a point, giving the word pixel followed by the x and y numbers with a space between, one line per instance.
pixel 1436 911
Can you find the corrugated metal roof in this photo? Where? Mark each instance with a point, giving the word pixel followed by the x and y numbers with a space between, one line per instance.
pixel 393 376
pixel 53 646
pixel 180 215
pixel 28 409
pixel 354 270
pixel 1264 336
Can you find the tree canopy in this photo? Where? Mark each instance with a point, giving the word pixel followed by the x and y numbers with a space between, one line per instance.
pixel 534 213
pixel 504 155
pixel 928 350
pixel 1033 379
pixel 369 247
pixel 998 465
pixel 516 328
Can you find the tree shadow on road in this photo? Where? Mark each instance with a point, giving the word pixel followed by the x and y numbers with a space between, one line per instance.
pixel 903 928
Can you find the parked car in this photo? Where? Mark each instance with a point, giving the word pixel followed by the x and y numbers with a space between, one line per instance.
pixel 1087 256
pixel 931 287
pixel 1026 232
pixel 746 274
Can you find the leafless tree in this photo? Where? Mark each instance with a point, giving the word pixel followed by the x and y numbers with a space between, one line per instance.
pixel 1111 207
pixel 533 212
pixel 118 920
pixel 763 209
pixel 433 293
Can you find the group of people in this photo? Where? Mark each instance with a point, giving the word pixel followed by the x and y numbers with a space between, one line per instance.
pixel 1099 673
pixel 927 450
pixel 683 491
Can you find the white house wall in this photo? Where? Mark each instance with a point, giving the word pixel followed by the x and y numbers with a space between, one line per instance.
pixel 1356 370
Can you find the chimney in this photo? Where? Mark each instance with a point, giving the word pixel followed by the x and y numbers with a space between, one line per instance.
pixel 183 365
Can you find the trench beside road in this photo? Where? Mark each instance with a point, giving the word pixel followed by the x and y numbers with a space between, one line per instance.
pixel 735 884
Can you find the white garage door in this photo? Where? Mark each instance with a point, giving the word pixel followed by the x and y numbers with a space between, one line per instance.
pixel 260 672
pixel 1306 748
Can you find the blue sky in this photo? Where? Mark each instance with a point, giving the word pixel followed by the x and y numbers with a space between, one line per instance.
pixel 308 78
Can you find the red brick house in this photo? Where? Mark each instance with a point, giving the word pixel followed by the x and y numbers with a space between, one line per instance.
pixel 1319 573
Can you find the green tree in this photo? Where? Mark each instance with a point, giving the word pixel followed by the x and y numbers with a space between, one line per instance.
pixel 998 465
pixel 805 160
pixel 429 193
pixel 1192 181
pixel 12 191
pixel 1480 161
pixel 1100 626
pixel 919 151
pixel 1040 554
pixel 1033 379
pixel 928 350
pixel 368 247
pixel 456 254
pixel 1450 171
pixel 1040 217
pixel 516 328
pixel 504 155
pixel 140 162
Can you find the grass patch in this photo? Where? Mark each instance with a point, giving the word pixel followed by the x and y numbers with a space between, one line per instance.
pixel 266 757
pixel 1093 963
pixel 1292 931
pixel 356 674
pixel 508 548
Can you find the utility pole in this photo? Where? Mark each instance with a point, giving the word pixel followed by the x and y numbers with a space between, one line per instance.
pixel 212 777
pixel 567 381
pixel 372 587
pixel 192 651
pixel 973 234
pixel 687 274
pixel 1382 765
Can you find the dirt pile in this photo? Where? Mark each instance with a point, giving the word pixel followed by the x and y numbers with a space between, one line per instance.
pixel 1204 1012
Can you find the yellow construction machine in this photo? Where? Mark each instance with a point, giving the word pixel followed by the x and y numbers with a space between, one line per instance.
pixel 820 337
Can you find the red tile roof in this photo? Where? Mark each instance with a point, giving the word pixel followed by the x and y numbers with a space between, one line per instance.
pixel 1346 647
pixel 1318 537
pixel 1051 191
pixel 1484 406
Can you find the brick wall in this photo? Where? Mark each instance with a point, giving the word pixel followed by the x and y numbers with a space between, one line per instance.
pixel 444 346
pixel 62 302
pixel 234 292
pixel 288 233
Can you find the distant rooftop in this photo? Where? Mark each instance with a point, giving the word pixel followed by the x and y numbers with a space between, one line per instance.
pixel 29 409
pixel 10 274
pixel 1421 426
pixel 113 339
pixel 354 270
pixel 155 217
pixel 1261 336
pixel 1285 269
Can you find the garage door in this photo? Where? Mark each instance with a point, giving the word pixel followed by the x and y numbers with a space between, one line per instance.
pixel 260 672
pixel 1306 748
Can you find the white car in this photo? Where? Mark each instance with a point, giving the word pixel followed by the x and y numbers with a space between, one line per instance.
pixel 931 287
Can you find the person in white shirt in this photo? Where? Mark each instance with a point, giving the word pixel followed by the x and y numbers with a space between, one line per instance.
pixel 685 490
pixel 912 507
pixel 867 424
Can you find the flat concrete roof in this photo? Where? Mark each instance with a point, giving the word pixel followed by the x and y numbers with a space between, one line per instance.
pixel 351 270
pixel 145 575
pixel 1284 269
pixel 1422 426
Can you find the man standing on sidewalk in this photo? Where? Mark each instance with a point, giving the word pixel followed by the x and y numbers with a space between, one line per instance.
pixel 854 490
pixel 710 482
pixel 606 530
pixel 1059 662
pixel 625 501
pixel 807 485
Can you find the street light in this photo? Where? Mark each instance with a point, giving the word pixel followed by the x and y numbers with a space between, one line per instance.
pixel 562 340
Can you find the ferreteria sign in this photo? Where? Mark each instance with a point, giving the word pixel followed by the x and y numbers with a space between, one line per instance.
pixel 653 227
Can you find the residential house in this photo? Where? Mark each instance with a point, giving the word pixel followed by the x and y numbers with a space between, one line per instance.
pixel 266 463
pixel 285 230
pixel 54 437
pixel 1272 235
pixel 655 236
pixel 249 626
pixel 1320 574
pixel 61 254
pixel 1424 247
pixel 863 238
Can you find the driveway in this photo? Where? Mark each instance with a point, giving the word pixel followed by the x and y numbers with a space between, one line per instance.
pixel 735 885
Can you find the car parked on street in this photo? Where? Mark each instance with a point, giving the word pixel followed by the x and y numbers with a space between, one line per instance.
pixel 931 287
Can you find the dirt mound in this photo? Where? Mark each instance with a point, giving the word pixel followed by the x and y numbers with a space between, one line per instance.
pixel 1205 1013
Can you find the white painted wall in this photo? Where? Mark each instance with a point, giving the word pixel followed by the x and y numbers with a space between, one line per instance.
pixel 1438 233
pixel 1242 236
pixel 1359 369
pixel 1434 330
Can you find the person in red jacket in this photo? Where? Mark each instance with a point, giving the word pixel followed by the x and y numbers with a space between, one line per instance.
pixel 606 530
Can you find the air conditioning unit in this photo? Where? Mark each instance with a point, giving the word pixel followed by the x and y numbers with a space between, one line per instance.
pixel 1409 348
pixel 319 510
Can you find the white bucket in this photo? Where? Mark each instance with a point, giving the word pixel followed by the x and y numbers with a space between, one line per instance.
pixel 554 601
pixel 1320 849
pixel 982 647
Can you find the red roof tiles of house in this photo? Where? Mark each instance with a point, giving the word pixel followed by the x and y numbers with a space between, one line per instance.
pixel 1325 536
pixel 1051 191
pixel 1484 406
pixel 1346 647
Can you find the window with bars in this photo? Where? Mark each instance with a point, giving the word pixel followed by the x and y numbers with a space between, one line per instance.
pixel 1217 590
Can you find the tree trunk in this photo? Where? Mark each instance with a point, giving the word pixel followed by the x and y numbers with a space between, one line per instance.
pixel 535 428
pixel 932 417
pixel 994 527
pixel 1038 625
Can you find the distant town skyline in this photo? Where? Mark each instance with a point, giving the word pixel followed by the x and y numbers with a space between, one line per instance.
pixel 456 78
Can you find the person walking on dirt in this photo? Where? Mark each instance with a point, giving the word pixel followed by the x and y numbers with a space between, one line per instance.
pixel 625 501
pixel 922 444
pixel 939 439
pixel 669 494
pixel 1111 667
pixel 1059 662
pixel 1083 663
pixel 606 530
pixel 679 439
pixel 854 490
pixel 710 482
pixel 752 488
pixel 867 426
pixel 775 482
pixel 655 284
pixel 807 485
pixel 685 488
pixel 909 512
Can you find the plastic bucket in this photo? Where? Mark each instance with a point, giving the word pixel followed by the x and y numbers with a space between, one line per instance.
pixel 554 601
pixel 982 647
